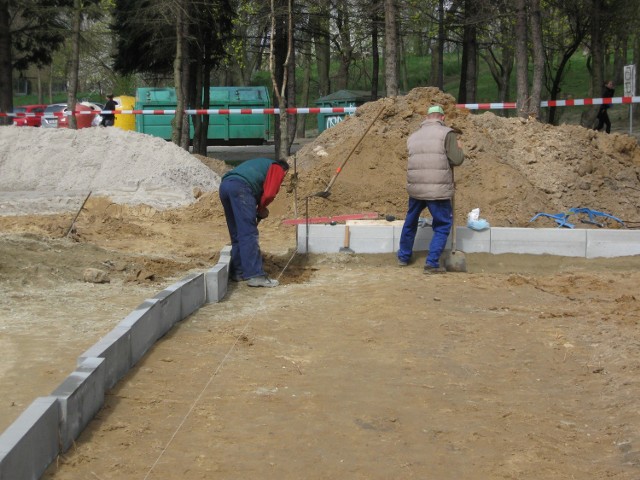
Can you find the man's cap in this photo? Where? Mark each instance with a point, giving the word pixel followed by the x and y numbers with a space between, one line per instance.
pixel 435 109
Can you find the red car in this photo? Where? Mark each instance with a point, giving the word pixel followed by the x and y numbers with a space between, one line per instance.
pixel 28 115
pixel 83 120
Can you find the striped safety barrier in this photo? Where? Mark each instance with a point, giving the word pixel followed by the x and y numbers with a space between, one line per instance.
pixel 301 111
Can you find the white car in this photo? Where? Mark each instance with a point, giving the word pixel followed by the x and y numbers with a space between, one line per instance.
pixel 49 120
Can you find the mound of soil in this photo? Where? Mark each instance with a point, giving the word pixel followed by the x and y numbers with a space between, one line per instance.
pixel 514 168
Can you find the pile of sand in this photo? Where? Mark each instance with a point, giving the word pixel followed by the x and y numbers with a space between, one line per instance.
pixel 53 170
pixel 513 170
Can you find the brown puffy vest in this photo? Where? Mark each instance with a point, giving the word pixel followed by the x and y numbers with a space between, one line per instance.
pixel 429 176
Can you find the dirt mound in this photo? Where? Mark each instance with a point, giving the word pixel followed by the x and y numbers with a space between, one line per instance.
pixel 513 170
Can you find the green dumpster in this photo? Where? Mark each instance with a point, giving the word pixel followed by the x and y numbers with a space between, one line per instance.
pixel 238 128
pixel 341 98
pixel 155 99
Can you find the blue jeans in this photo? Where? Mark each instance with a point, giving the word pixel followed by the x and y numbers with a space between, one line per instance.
pixel 240 210
pixel 442 220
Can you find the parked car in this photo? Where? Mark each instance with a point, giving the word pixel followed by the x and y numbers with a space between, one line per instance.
pixel 28 115
pixel 57 115
pixel 49 119
pixel 83 120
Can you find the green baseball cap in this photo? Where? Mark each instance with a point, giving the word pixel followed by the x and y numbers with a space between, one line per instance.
pixel 435 109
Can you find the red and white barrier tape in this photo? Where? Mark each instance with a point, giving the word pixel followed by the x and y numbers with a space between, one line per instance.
pixel 211 111
pixel 298 111
pixel 486 106
pixel 552 103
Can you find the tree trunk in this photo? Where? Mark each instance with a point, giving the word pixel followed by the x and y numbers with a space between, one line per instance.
pixel 469 77
pixel 501 68
pixel 76 22
pixel 620 56
pixel 522 60
pixel 557 77
pixel 345 53
pixel 636 62
pixel 40 93
pixel 538 59
pixel 440 47
pixel 198 100
pixel 375 53
pixel 6 71
pixel 179 77
pixel 290 65
pixel 279 58
pixel 433 74
pixel 471 84
pixel 319 23
pixel 404 74
pixel 306 81
pixel 597 48
pixel 391 48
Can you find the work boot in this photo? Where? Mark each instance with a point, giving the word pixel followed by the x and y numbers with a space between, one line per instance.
pixel 262 281
pixel 429 270
pixel 236 275
pixel 402 263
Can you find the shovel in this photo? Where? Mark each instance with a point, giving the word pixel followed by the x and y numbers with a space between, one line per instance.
pixel 327 191
pixel 455 260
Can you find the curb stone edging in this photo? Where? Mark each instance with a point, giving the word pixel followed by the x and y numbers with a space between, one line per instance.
pixel 50 424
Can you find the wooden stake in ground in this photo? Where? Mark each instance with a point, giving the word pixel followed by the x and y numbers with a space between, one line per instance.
pixel 77 214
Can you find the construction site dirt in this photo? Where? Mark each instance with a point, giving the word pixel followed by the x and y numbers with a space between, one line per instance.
pixel 524 367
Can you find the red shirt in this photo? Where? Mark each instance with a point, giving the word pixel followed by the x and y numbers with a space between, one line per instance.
pixel 271 185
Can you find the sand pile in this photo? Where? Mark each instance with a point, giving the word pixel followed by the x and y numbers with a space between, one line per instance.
pixel 513 170
pixel 53 170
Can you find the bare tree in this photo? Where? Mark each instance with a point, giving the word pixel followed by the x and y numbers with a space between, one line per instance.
pixel 499 52
pixel 76 24
pixel 538 58
pixel 567 28
pixel 522 59
pixel 319 26
pixel 251 26
pixel 375 53
pixel 469 74
pixel 6 70
pixel 391 48
pixel 180 134
pixel 438 76
pixel 343 47
pixel 280 73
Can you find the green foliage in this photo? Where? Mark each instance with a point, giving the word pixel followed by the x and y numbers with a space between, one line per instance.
pixel 145 36
pixel 37 31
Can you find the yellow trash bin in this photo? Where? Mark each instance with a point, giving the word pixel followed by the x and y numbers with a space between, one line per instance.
pixel 125 121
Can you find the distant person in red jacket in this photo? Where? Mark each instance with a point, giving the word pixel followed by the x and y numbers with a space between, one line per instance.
pixel 245 193
pixel 603 115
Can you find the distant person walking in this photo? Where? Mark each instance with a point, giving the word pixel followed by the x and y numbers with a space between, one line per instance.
pixel 603 115
pixel 245 193
pixel 434 150
pixel 109 119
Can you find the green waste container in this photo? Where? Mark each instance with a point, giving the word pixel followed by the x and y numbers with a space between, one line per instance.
pixel 155 99
pixel 341 98
pixel 241 129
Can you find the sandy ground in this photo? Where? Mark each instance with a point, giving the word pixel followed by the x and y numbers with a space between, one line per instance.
pixel 525 367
